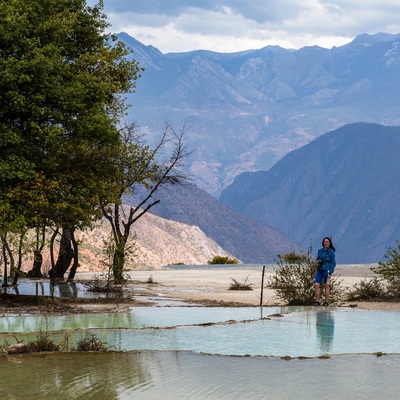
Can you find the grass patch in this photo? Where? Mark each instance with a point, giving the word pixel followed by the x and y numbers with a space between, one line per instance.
pixel 236 285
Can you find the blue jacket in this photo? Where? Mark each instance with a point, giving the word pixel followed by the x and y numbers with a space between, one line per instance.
pixel 327 256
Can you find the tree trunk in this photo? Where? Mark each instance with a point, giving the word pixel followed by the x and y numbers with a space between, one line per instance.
pixel 5 261
pixel 75 265
pixel 65 255
pixel 8 259
pixel 52 240
pixel 36 272
pixel 119 261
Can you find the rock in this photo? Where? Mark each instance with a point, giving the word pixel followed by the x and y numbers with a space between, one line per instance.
pixel 19 348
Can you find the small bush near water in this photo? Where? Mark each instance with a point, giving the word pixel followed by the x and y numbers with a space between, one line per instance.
pixel 368 289
pixel 386 285
pixel 101 285
pixel 294 280
pixel 42 343
pixel 90 342
pixel 389 271
pixel 236 285
pixel 222 260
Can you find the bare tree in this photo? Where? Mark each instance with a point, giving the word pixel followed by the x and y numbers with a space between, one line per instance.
pixel 143 172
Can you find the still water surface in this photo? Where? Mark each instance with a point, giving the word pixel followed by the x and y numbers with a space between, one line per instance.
pixel 183 375
pixel 275 331
pixel 163 354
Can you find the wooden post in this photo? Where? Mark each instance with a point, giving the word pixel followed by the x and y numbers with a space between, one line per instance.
pixel 262 286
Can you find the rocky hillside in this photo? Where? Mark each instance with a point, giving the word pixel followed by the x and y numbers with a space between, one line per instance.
pixel 191 228
pixel 158 242
pixel 248 239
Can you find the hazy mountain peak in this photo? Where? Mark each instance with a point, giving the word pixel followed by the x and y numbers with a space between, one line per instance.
pixel 224 98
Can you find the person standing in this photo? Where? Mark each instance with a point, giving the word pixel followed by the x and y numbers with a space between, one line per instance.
pixel 326 265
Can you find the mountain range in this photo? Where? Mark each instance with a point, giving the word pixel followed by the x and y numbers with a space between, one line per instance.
pixel 244 111
pixel 257 123
pixel 344 184
pixel 247 239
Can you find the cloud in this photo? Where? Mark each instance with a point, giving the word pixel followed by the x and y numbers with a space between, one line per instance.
pixel 232 25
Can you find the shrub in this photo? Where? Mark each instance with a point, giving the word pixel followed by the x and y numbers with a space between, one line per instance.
pixel 223 260
pixel 390 271
pixel 151 280
pixel 368 289
pixel 294 280
pixel 42 343
pixel 236 285
pixel 101 285
pixel 91 343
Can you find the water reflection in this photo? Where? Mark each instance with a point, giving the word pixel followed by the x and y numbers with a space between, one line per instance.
pixel 229 331
pixel 72 376
pixel 47 288
pixel 325 325
pixel 65 289
pixel 181 375
pixel 50 323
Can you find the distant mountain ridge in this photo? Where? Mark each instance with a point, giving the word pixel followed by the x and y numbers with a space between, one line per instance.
pixel 344 184
pixel 247 239
pixel 246 110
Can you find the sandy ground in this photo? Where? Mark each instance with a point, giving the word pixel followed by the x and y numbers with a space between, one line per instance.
pixel 212 285
pixel 207 286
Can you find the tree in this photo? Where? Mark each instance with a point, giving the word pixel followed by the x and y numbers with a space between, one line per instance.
pixel 61 97
pixel 13 242
pixel 142 172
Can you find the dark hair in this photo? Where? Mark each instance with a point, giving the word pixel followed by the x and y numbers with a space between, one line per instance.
pixel 330 243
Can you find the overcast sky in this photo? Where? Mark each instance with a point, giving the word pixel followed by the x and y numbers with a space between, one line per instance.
pixel 233 25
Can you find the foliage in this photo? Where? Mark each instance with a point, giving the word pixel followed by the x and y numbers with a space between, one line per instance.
pixel 101 285
pixel 90 342
pixel 42 343
pixel 142 172
pixel 108 251
pixel 61 98
pixel 294 278
pixel 151 280
pixel 222 260
pixel 368 289
pixel 236 285
pixel 390 271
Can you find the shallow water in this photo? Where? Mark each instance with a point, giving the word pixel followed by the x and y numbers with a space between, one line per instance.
pixel 300 331
pixel 46 288
pixel 182 375
pixel 163 354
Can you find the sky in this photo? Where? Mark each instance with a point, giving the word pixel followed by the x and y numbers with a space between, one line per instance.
pixel 227 26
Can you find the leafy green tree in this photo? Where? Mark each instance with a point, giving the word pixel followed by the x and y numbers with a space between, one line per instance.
pixel 61 97
pixel 389 271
